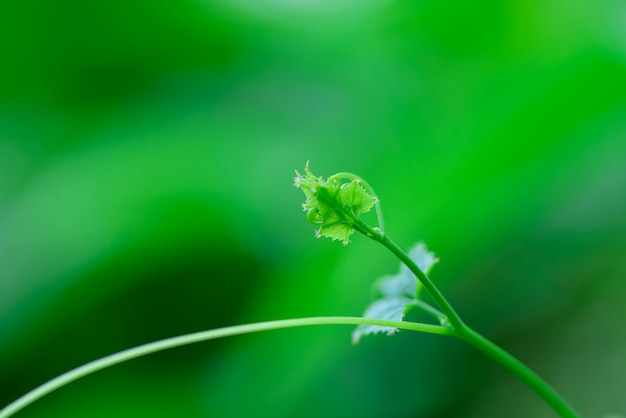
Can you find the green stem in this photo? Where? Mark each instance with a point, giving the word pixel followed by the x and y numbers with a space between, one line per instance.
pixel 428 309
pixel 434 292
pixel 165 344
pixel 519 370
pixel 513 365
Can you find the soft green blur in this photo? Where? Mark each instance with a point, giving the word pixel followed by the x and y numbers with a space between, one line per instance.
pixel 147 152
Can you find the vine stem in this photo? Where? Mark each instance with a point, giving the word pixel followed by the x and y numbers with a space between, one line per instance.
pixel 519 370
pixel 186 339
pixel 464 332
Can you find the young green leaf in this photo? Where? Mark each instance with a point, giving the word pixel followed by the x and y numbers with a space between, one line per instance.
pixel 396 295
pixel 332 205
pixel 424 259
pixel 391 308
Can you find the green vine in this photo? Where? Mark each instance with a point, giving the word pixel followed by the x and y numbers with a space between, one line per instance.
pixel 336 203
pixel 335 207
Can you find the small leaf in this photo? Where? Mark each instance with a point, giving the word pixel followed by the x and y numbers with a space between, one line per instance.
pixel 333 206
pixel 405 283
pixel 335 227
pixel 354 198
pixel 424 259
pixel 396 295
pixel 392 308
pixel 402 284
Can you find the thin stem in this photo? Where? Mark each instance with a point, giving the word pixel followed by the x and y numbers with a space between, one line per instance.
pixel 430 310
pixel 434 292
pixel 513 365
pixel 519 370
pixel 168 343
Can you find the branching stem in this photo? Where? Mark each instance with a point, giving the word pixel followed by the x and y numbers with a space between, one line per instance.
pixel 430 310
pixel 462 331
pixel 452 324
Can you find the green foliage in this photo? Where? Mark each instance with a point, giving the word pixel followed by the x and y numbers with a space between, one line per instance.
pixel 333 205
pixel 396 295
pixel 336 208
pixel 141 145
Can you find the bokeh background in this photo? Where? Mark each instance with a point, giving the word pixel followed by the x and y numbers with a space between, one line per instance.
pixel 147 152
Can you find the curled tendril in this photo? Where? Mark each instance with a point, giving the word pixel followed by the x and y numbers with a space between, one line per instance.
pixel 314 216
pixel 334 205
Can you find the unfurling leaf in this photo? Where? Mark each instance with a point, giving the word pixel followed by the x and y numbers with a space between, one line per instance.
pixel 396 295
pixel 333 206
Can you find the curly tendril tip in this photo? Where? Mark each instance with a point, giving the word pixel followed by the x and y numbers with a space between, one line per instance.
pixel 334 205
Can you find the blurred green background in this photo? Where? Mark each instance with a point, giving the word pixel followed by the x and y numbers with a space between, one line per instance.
pixel 147 152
